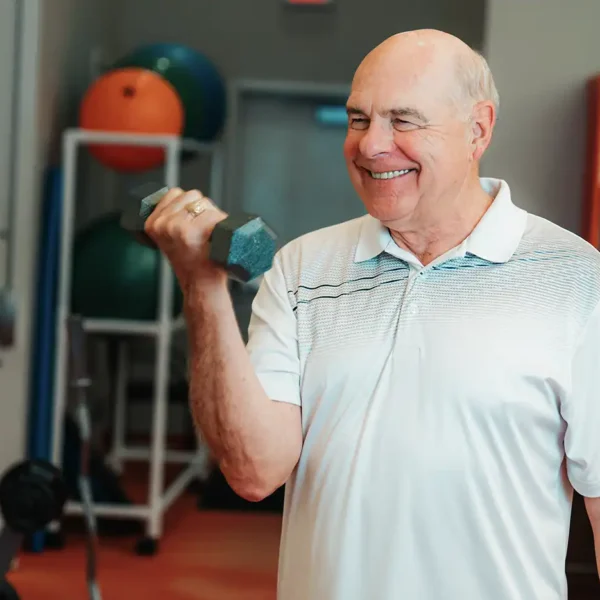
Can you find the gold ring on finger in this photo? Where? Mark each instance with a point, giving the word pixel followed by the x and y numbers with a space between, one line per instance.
pixel 196 208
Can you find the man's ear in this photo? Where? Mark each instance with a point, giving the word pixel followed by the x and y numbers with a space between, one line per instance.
pixel 481 127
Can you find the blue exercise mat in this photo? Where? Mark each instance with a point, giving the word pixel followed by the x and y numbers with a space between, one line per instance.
pixel 42 368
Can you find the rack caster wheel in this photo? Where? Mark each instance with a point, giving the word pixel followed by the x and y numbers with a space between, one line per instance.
pixel 145 547
pixel 54 540
pixel 196 487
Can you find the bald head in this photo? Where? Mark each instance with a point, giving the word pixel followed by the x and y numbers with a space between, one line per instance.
pixel 421 113
pixel 448 67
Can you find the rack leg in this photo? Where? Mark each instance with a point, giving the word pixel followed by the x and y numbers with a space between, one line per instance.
pixel 60 386
pixel 158 441
pixel 120 406
pixel 161 381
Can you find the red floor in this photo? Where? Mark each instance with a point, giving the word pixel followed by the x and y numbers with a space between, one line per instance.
pixel 203 556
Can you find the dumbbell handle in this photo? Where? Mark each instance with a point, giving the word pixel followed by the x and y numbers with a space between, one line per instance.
pixel 134 216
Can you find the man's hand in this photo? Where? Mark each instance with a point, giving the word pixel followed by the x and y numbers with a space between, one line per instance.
pixel 181 225
pixel 593 509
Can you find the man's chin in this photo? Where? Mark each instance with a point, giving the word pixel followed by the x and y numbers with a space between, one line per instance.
pixel 390 211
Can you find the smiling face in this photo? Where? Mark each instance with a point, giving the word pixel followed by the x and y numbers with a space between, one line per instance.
pixel 408 148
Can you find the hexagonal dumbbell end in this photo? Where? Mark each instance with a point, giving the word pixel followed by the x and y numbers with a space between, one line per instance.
pixel 244 245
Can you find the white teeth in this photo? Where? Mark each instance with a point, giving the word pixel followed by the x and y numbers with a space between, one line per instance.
pixel 389 174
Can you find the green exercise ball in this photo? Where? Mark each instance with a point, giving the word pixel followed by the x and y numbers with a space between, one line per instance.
pixel 114 276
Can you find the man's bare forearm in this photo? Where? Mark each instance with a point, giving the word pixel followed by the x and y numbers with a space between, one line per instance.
pixel 256 441
pixel 592 506
pixel 596 530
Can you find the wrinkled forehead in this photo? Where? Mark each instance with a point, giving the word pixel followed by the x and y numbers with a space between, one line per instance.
pixel 424 83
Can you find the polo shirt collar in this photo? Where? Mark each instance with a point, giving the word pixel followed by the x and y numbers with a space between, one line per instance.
pixel 495 238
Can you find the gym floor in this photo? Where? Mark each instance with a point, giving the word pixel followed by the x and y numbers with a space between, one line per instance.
pixel 204 555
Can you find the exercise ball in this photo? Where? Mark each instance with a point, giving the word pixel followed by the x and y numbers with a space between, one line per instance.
pixel 196 79
pixel 131 100
pixel 114 276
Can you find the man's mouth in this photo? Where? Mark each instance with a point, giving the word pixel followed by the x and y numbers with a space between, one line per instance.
pixel 389 174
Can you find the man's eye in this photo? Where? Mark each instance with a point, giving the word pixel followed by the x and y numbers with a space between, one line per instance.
pixel 358 123
pixel 402 124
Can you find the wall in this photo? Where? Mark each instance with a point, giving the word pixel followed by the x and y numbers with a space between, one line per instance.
pixel 267 40
pixel 71 31
pixel 52 63
pixel 16 203
pixel 51 59
pixel 541 55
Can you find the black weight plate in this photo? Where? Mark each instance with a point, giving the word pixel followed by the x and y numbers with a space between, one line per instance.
pixel 32 494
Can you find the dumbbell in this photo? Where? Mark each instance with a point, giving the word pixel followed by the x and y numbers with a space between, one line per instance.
pixel 32 494
pixel 244 245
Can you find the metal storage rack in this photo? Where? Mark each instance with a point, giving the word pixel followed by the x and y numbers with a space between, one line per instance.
pixel 159 498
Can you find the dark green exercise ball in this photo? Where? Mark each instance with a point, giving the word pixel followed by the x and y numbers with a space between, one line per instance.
pixel 114 276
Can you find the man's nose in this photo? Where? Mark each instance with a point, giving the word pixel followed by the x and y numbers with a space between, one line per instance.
pixel 377 139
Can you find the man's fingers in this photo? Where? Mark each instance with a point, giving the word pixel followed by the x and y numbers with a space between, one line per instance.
pixel 182 204
pixel 189 202
pixel 163 203
pixel 187 217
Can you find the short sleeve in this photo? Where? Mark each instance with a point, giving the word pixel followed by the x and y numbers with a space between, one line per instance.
pixel 273 339
pixel 581 411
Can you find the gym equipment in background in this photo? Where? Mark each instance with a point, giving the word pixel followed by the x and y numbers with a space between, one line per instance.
pixel 196 79
pixel 131 100
pixel 114 277
pixel 80 382
pixel 243 245
pixel 40 407
pixel 158 332
pixel 32 494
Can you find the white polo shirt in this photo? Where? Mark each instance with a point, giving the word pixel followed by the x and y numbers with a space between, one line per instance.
pixel 446 410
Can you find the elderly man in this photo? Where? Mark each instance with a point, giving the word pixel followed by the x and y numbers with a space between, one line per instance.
pixel 423 378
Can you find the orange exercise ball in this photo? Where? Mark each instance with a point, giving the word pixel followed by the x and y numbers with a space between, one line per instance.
pixel 131 100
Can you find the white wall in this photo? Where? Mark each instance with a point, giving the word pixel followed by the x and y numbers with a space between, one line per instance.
pixel 541 53
pixel 53 69
pixel 17 197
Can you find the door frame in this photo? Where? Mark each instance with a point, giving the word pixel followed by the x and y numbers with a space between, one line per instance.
pixel 238 91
